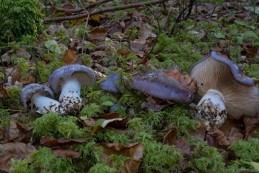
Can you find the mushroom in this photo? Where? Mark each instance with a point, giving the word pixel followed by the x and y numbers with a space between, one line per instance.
pixel 67 82
pixel 111 83
pixel 224 90
pixel 38 96
pixel 165 84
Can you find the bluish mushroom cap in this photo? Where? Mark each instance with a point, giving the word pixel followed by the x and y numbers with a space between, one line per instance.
pixel 83 74
pixel 160 85
pixel 236 71
pixel 111 84
pixel 29 90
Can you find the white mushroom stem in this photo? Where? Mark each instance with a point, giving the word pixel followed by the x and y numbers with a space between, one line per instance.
pixel 70 96
pixel 45 104
pixel 211 109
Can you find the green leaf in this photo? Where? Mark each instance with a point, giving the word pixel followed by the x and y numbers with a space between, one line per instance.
pixel 255 165
pixel 52 46
pixel 107 103
pixel 219 35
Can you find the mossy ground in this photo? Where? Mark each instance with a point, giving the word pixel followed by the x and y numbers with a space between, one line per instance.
pixel 177 51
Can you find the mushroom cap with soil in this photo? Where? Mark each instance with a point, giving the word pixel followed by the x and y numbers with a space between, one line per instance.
pixel 225 90
pixel 67 81
pixel 40 96
pixel 165 84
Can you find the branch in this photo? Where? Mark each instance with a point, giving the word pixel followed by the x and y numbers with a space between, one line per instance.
pixel 79 16
pixel 78 10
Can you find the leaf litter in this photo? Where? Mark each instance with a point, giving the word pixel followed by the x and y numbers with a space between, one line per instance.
pixel 136 35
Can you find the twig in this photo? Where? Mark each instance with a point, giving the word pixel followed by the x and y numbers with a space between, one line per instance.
pixel 78 10
pixel 79 16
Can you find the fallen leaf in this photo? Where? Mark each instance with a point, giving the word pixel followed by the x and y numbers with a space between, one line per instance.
pixel 70 56
pixel 98 34
pixel 52 142
pixel 171 139
pixel 134 151
pixel 251 124
pixel 11 151
pixel 66 153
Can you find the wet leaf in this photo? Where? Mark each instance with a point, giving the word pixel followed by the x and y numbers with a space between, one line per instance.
pixel 251 124
pixel 133 151
pixel 52 142
pixel 70 56
pixel 11 151
pixel 98 34
pixel 66 153
pixel 179 142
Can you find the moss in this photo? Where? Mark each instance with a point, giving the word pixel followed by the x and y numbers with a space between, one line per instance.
pixel 170 52
pixel 90 154
pixel 207 159
pixel 54 125
pixel 181 118
pixel 102 168
pixel 247 150
pixel 160 158
pixel 112 136
pixel 42 161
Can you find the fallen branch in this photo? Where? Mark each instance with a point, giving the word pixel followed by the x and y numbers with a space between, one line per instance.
pixel 79 16
pixel 78 10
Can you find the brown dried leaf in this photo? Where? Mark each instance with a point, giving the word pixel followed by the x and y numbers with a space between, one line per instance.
pixel 180 143
pixel 11 151
pixel 220 137
pixel 66 153
pixel 134 151
pixel 185 80
pixel 98 34
pixel 70 56
pixel 251 124
pixel 109 120
pixel 51 142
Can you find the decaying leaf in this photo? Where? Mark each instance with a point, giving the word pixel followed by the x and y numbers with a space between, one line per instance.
pixel 171 139
pixel 98 34
pixel 52 142
pixel 70 56
pixel 133 151
pixel 66 153
pixel 251 124
pixel 11 151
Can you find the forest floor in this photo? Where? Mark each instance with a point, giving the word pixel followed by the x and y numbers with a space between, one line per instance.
pixel 143 134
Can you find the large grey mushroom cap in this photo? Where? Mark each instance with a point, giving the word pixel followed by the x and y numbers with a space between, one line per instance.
pixel 29 90
pixel 163 86
pixel 221 74
pixel 83 74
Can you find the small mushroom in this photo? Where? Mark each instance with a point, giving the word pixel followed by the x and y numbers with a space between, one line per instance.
pixel 67 82
pixel 224 90
pixel 165 84
pixel 111 84
pixel 38 96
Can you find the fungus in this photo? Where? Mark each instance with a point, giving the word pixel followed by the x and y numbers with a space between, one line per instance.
pixel 165 84
pixel 224 90
pixel 38 96
pixel 111 84
pixel 67 82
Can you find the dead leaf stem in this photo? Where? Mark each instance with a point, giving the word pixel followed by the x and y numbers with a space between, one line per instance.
pixel 117 8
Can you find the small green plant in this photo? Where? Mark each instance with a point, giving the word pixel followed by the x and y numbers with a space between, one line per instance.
pixel 43 160
pixel 19 18
pixel 208 159
pixel 102 168
pixel 247 150
pixel 54 125
pixel 160 158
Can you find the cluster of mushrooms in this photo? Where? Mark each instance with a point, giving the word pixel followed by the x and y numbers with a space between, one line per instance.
pixel 216 79
pixel 65 82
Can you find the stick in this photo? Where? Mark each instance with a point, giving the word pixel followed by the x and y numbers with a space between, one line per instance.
pixel 79 16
